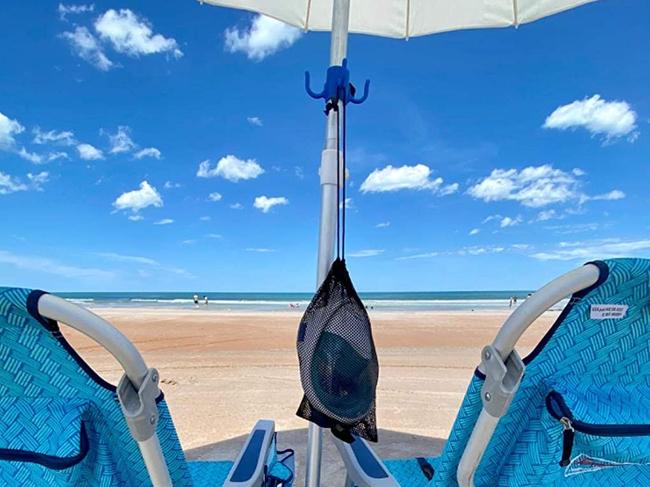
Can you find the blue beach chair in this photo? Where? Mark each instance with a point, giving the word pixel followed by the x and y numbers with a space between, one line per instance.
pixel 574 412
pixel 63 425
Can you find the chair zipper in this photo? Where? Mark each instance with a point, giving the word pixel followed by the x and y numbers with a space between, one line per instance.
pixel 555 402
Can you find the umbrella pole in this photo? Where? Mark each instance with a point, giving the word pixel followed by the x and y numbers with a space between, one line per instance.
pixel 328 214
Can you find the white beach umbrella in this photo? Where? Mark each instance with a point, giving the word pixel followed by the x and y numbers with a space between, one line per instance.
pixel 406 18
pixel 386 18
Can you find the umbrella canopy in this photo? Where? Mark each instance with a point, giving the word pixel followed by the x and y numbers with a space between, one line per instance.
pixel 406 18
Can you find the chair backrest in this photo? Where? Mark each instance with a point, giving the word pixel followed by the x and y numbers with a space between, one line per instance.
pixel 61 422
pixel 597 354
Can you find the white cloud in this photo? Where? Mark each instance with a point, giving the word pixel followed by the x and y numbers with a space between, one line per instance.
pixel 448 189
pixel 30 156
pixel 611 119
pixel 265 36
pixel 164 221
pixel 265 203
pixel 573 228
pixel 136 218
pixel 171 185
pixel 133 35
pixel 521 246
pixel 139 199
pixel 474 231
pixel 464 251
pixel 49 266
pixel 215 196
pixel 349 204
pixel 215 236
pixel 121 140
pixel 509 222
pixel 65 10
pixel 189 241
pixel 205 218
pixel 257 121
pixel 38 180
pixel 488 219
pixel 10 184
pixel 146 261
pixel 89 153
pixel 65 137
pixel 533 186
pixel 426 255
pixel 237 206
pixel 480 250
pixel 231 168
pixel 87 47
pixel 366 253
pixel 53 156
pixel 130 259
pixel 148 152
pixel 383 225
pixel 611 196
pixel 8 129
pixel 40 158
pixel 546 215
pixel 259 250
pixel 585 251
pixel 405 177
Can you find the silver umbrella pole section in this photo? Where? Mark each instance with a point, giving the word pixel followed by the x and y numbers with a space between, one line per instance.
pixel 328 212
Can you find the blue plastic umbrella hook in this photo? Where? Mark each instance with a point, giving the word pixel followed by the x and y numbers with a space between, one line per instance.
pixel 337 86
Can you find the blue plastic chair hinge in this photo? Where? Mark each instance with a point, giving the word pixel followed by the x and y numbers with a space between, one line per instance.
pixel 337 87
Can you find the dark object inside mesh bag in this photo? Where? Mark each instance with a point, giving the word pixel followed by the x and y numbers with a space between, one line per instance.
pixel 338 361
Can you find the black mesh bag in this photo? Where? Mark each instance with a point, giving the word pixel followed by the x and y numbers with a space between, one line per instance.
pixel 338 361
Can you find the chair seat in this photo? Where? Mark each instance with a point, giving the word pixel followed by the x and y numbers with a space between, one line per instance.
pixel 408 472
pixel 209 473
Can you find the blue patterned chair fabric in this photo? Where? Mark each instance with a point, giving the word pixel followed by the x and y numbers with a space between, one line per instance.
pixel 601 367
pixel 61 423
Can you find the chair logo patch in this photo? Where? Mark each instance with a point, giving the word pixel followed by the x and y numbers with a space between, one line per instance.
pixel 607 311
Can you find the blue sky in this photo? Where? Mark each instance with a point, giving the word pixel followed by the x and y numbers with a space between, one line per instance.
pixel 492 159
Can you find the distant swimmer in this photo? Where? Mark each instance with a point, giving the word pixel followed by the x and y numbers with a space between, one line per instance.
pixel 205 300
pixel 196 299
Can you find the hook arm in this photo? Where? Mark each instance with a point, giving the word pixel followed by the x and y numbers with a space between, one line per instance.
pixel 311 92
pixel 366 91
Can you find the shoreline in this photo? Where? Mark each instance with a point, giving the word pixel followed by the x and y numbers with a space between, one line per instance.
pixel 297 312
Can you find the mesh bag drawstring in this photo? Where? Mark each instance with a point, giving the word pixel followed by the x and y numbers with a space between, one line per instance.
pixel 338 360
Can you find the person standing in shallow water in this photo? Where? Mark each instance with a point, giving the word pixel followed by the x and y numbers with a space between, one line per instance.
pixel 196 299
pixel 205 300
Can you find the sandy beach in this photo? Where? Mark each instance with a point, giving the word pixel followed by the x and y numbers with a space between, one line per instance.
pixel 221 371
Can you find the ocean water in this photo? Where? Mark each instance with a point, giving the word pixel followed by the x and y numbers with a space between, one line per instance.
pixel 384 301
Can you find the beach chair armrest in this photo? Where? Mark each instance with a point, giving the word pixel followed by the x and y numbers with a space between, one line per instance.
pixel 364 468
pixel 248 469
